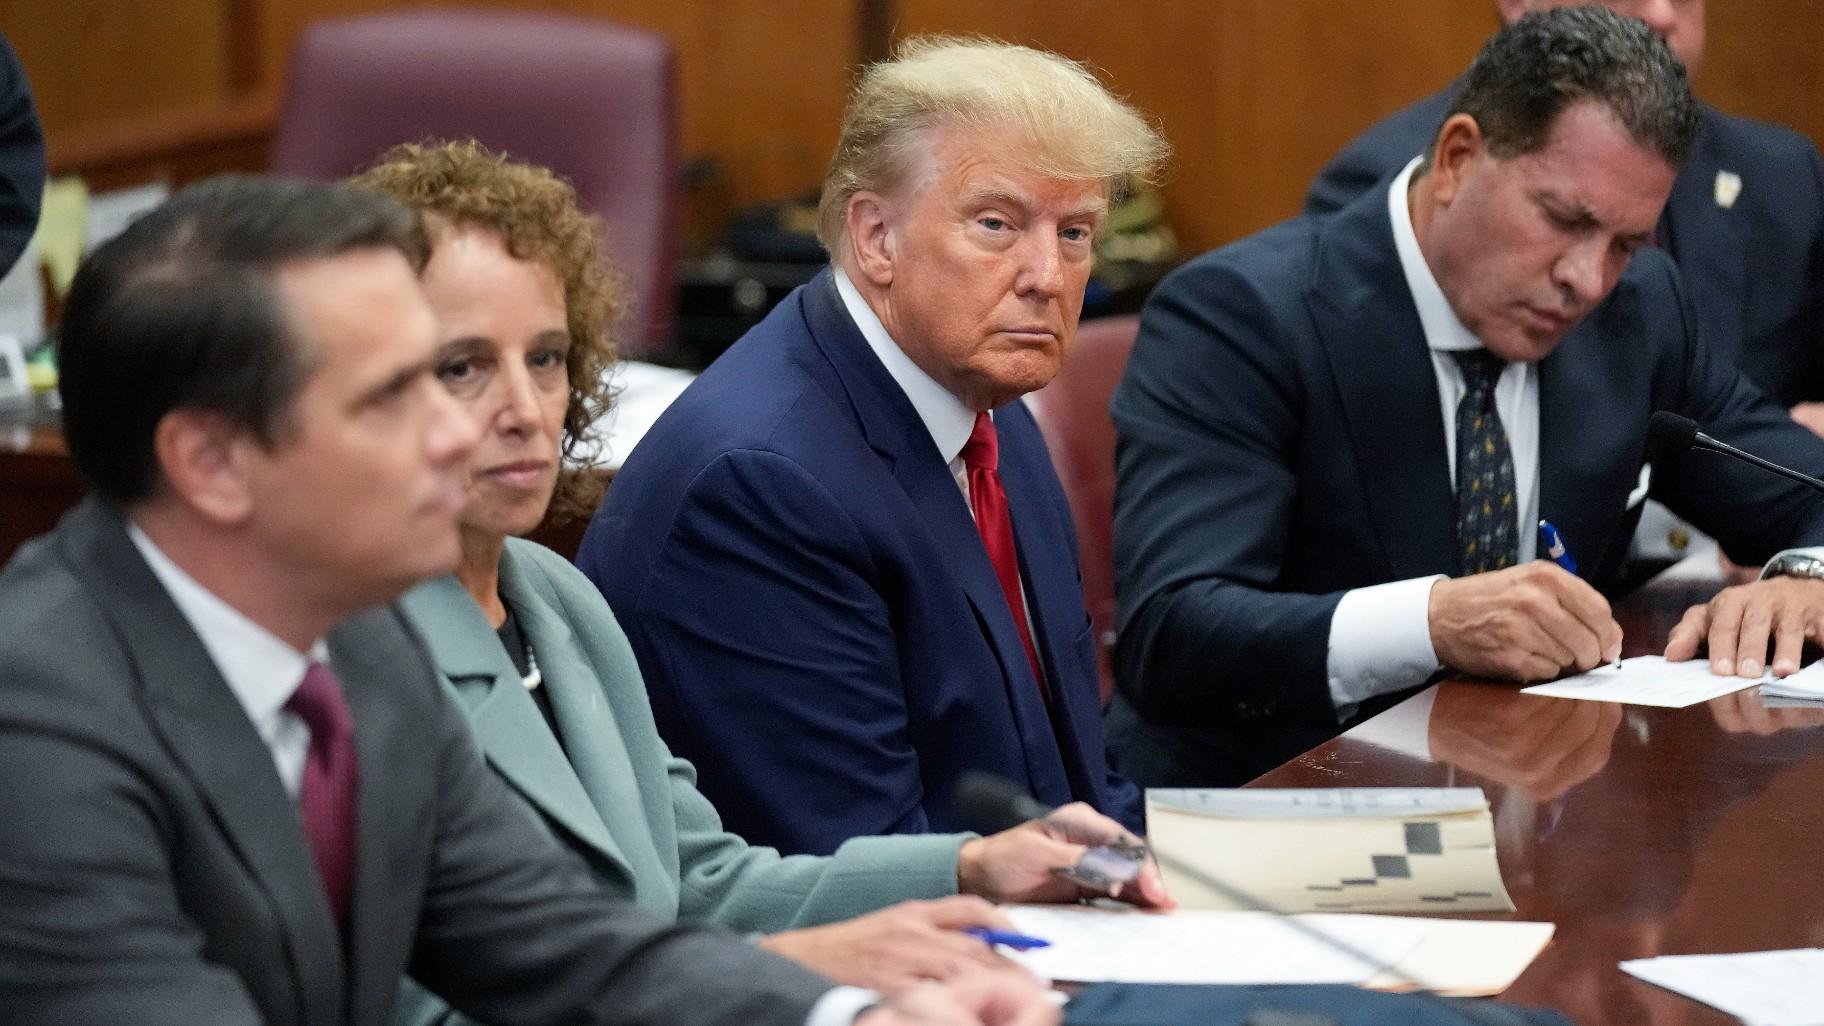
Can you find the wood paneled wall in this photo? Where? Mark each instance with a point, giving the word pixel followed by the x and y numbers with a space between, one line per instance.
pixel 1254 94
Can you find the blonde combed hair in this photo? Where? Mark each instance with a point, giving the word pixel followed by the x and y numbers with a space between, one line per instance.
pixel 1041 110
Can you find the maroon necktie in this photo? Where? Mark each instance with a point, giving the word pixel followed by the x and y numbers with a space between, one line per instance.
pixel 982 456
pixel 326 799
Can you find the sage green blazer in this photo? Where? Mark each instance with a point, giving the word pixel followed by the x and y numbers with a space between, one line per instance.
pixel 620 799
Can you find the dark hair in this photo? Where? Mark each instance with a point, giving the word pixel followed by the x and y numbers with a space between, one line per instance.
pixel 1532 70
pixel 180 312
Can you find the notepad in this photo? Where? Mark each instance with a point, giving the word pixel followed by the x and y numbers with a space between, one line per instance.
pixel 1397 849
pixel 1648 680
pixel 1807 685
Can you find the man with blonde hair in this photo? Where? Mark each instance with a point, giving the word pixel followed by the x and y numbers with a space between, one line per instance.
pixel 843 557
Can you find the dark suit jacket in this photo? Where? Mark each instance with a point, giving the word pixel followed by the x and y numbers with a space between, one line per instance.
pixel 1280 441
pixel 1754 269
pixel 818 623
pixel 21 159
pixel 153 869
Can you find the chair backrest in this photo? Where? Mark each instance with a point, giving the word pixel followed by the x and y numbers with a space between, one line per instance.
pixel 590 99
pixel 1072 413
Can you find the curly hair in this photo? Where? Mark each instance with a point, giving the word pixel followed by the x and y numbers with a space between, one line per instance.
pixel 535 212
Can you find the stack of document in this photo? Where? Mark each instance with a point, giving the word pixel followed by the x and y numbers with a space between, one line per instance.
pixel 1099 945
pixel 1806 685
pixel 1372 849
pixel 1761 988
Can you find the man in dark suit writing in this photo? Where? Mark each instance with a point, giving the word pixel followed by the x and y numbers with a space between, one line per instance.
pixel 1337 438
pixel 231 795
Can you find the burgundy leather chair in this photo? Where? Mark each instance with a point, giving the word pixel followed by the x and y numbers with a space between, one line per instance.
pixel 590 99
pixel 1072 413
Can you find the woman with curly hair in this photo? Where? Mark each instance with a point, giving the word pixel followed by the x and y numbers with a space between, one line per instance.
pixel 534 656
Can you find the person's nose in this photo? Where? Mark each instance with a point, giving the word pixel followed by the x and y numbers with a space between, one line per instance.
pixel 452 433
pixel 1042 261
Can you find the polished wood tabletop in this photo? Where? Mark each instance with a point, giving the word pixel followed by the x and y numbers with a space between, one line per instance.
pixel 1639 831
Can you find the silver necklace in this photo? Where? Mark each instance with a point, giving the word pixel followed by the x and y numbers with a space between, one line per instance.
pixel 533 677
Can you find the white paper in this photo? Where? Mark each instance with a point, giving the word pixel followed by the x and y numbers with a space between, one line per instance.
pixel 1319 803
pixel 1094 945
pixel 1762 988
pixel 1807 685
pixel 1648 680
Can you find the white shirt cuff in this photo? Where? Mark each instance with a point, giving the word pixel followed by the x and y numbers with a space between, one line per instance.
pixel 1814 551
pixel 1380 641
pixel 840 1005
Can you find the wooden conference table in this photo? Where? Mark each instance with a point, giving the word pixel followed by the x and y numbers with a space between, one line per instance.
pixel 1639 831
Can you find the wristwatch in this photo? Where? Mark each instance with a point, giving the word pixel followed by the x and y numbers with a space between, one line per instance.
pixel 1794 564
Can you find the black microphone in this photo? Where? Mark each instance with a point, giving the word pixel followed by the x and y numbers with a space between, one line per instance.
pixel 989 804
pixel 1672 433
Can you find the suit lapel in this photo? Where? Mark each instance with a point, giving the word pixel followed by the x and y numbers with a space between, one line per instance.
pixel 1589 442
pixel 894 430
pixel 1054 595
pixel 209 735
pixel 508 726
pixel 1370 332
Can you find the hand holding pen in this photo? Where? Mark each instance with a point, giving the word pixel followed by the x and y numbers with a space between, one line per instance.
pixel 1531 622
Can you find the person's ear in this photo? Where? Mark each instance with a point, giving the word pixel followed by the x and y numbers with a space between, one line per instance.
pixel 1511 11
pixel 873 242
pixel 203 459
pixel 1458 146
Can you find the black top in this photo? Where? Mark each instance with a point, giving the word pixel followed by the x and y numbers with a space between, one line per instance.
pixel 520 651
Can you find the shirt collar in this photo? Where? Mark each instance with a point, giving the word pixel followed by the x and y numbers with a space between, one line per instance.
pixel 944 415
pixel 260 669
pixel 1443 331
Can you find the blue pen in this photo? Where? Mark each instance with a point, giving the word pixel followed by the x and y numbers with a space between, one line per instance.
pixel 1016 941
pixel 1555 546
pixel 1561 555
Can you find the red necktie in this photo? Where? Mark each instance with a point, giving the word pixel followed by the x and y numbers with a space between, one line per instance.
pixel 326 799
pixel 982 456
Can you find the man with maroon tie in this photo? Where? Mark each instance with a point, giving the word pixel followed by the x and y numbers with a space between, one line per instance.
pixel 233 796
pixel 842 556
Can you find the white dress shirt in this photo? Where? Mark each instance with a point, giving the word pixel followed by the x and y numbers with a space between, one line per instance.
pixel 1380 636
pixel 261 670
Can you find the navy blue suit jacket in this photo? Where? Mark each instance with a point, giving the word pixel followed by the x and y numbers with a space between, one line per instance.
pixel 21 159
pixel 817 621
pixel 1280 441
pixel 1753 269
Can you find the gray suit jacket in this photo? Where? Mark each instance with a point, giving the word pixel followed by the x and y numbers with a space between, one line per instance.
pixel 153 870
pixel 613 792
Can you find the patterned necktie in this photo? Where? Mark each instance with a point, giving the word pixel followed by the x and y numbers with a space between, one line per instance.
pixel 982 456
pixel 1486 537
pixel 326 800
